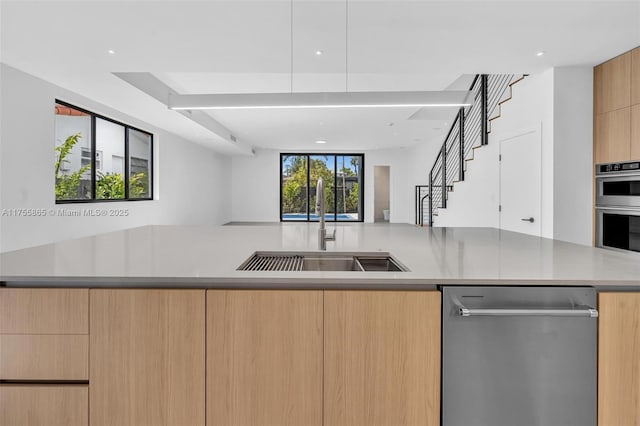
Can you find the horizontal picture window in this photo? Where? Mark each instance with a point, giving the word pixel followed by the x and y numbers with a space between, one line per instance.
pixel 100 159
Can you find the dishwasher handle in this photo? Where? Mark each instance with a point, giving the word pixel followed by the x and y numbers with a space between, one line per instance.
pixel 582 311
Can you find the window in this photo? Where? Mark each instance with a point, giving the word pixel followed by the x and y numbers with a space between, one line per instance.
pixel 99 159
pixel 343 176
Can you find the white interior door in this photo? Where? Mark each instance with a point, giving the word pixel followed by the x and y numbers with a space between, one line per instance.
pixel 520 183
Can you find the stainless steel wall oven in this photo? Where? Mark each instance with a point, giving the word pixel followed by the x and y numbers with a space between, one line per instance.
pixel 618 206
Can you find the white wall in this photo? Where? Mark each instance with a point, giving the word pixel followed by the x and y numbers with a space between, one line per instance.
pixel 559 102
pixel 256 185
pixel 476 203
pixel 573 154
pixel 191 182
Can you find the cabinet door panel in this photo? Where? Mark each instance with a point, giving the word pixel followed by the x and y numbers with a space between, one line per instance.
pixel 613 84
pixel 264 358
pixel 43 405
pixel 147 363
pixel 44 357
pixel 44 311
pixel 613 136
pixel 382 358
pixel 635 132
pixel 619 359
pixel 635 76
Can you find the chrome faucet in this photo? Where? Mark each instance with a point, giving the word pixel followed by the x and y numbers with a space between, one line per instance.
pixel 322 232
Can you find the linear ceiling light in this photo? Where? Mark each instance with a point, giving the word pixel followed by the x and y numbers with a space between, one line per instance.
pixel 447 98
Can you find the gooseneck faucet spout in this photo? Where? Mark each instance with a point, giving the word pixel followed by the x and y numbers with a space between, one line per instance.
pixel 320 210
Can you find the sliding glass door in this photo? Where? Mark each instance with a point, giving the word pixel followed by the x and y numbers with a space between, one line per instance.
pixel 343 185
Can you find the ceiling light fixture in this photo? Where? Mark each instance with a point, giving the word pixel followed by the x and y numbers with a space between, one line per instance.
pixel 321 100
pixel 321 141
pixel 542 52
pixel 319 52
pixel 111 52
pixel 346 99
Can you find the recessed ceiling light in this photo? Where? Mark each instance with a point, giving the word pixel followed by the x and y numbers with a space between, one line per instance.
pixel 111 52
pixel 540 53
pixel 321 141
pixel 319 52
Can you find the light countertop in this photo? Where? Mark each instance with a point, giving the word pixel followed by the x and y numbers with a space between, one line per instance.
pixel 182 256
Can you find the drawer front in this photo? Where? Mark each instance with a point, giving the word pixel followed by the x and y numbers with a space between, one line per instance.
pixel 26 405
pixel 44 311
pixel 44 357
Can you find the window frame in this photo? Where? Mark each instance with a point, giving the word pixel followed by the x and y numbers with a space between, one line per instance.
pixel 335 155
pixel 126 170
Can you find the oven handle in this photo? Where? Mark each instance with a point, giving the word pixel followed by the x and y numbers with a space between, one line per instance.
pixel 584 311
pixel 617 175
pixel 620 208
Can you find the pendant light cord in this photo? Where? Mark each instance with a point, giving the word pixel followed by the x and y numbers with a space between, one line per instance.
pixel 291 50
pixel 346 46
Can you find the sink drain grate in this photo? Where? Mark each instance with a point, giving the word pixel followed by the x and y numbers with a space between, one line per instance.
pixel 264 262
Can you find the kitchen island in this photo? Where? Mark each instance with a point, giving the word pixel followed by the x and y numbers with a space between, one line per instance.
pixel 207 257
pixel 156 326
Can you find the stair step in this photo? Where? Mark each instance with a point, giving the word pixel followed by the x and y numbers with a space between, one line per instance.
pixel 517 79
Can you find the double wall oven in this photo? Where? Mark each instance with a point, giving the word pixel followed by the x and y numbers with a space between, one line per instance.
pixel 618 206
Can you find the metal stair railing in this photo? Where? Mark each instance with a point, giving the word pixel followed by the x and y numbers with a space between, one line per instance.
pixel 469 130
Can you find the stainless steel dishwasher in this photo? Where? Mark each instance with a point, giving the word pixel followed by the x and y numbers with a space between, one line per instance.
pixel 519 356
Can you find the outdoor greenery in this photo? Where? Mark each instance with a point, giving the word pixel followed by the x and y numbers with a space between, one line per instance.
pixel 68 186
pixel 294 186
pixel 109 186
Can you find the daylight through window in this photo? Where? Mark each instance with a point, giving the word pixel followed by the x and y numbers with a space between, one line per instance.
pixel 99 159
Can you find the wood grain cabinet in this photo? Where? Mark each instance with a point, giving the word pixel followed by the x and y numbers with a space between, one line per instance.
pixel 635 76
pixel 635 132
pixel 44 337
pixel 619 359
pixel 44 405
pixel 382 358
pixel 44 334
pixel 264 358
pixel 147 363
pixel 613 136
pixel 612 81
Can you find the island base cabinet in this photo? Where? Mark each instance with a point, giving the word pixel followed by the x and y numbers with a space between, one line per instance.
pixel 39 405
pixel 264 358
pixel 147 358
pixel 382 358
pixel 619 359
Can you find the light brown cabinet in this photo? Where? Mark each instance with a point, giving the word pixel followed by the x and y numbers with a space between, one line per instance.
pixel 619 359
pixel 616 115
pixel 635 132
pixel 382 358
pixel 613 84
pixel 44 311
pixel 40 405
pixel 264 358
pixel 635 76
pixel 44 357
pixel 44 334
pixel 613 136
pixel 147 363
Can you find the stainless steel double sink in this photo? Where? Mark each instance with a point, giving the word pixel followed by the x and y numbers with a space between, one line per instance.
pixel 322 261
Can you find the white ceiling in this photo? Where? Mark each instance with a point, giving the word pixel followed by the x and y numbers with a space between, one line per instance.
pixel 245 46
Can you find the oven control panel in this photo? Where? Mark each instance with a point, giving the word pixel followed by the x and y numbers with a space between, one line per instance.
pixel 618 167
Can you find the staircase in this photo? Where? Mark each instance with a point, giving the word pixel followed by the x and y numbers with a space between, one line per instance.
pixel 469 131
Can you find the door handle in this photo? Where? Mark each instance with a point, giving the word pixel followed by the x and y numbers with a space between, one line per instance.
pixel 583 311
pixel 527 219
